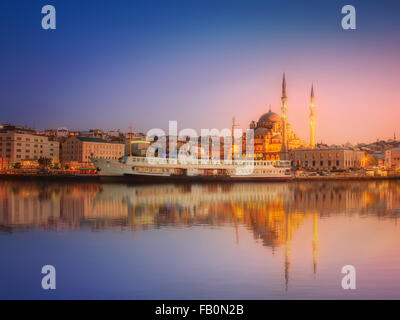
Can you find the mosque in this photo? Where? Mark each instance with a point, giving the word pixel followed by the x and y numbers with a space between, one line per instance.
pixel 273 135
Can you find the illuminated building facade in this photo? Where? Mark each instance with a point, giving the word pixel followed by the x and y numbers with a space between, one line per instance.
pixel 328 159
pixel 136 145
pixel 273 135
pixel 81 149
pixel 18 144
pixel 392 158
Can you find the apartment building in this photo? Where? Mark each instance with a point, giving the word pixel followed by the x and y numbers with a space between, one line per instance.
pixel 81 149
pixel 18 144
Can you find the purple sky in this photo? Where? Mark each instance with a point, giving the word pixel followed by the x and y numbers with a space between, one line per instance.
pixel 201 62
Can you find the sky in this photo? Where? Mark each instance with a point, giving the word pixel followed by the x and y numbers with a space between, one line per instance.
pixel 110 64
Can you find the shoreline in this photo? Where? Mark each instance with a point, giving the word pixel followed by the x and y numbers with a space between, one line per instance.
pixel 128 179
pixel 345 178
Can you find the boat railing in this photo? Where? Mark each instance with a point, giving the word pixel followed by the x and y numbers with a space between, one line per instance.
pixel 207 162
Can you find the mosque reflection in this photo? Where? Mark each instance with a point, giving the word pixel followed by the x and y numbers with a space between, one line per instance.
pixel 272 212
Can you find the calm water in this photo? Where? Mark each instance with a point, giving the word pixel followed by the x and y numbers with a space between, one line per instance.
pixel 229 241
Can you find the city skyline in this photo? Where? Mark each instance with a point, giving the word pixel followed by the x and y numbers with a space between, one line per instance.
pixel 201 64
pixel 169 152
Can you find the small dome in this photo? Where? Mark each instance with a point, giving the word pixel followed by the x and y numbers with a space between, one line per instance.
pixel 261 131
pixel 269 117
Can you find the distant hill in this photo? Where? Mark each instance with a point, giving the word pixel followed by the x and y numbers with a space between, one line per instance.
pixel 379 146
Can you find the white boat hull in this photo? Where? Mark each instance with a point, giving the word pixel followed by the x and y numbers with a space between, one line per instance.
pixel 140 169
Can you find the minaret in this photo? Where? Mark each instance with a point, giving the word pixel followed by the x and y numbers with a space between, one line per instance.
pixel 312 119
pixel 287 250
pixel 315 242
pixel 130 140
pixel 234 126
pixel 284 120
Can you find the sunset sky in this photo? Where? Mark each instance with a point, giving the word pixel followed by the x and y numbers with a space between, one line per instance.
pixel 200 62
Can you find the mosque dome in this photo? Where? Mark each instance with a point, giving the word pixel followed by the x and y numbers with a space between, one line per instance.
pixel 269 117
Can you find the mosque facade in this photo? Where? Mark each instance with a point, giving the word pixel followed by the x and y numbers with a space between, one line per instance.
pixel 273 135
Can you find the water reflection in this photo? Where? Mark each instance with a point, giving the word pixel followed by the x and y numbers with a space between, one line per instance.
pixel 272 212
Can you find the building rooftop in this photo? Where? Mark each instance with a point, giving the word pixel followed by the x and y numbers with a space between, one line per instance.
pixel 379 155
pixel 88 139
pixel 333 148
pixel 19 129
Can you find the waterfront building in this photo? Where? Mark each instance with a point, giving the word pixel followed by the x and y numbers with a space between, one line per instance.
pixel 380 159
pixel 392 158
pixel 92 133
pixel 57 133
pixel 273 135
pixel 81 149
pixel 328 159
pixel 136 145
pixel 20 144
pixel 114 133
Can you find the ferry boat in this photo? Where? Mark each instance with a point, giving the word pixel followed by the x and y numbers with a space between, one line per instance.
pixel 149 169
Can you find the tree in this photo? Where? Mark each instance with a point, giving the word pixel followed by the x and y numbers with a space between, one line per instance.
pixel 372 161
pixel 44 163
